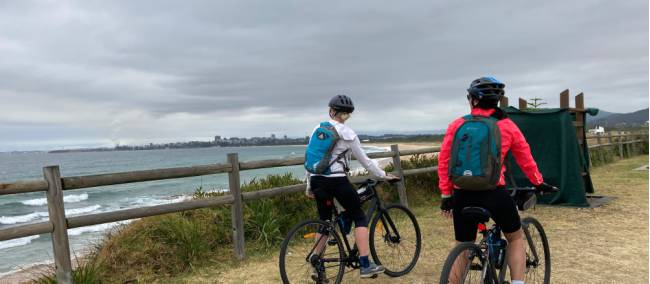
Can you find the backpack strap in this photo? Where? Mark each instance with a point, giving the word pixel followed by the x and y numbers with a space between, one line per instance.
pixel 340 158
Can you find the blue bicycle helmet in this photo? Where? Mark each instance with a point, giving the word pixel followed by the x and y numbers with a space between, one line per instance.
pixel 486 88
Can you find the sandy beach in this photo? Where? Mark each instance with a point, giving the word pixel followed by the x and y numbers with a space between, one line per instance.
pixel 405 145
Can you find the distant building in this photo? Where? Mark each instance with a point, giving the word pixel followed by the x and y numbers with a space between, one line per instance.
pixel 597 131
pixel 285 137
pixel 217 138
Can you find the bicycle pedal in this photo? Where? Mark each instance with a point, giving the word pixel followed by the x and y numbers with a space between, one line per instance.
pixel 374 276
pixel 331 242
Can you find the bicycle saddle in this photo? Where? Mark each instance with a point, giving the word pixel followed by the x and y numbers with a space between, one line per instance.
pixel 477 213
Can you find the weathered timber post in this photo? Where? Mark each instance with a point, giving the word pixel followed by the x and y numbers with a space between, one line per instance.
pixel 503 103
pixel 60 242
pixel 401 187
pixel 579 123
pixel 609 138
pixel 564 99
pixel 237 207
pixel 620 145
pixel 523 104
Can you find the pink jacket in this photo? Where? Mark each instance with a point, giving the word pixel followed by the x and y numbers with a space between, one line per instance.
pixel 511 140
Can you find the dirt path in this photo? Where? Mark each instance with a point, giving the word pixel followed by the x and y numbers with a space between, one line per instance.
pixel 608 244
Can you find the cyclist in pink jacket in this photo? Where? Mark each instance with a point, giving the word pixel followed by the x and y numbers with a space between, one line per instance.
pixel 484 95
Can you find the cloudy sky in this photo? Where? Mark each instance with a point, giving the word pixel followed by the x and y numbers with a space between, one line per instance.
pixel 95 73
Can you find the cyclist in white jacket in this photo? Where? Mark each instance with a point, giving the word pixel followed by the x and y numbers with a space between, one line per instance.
pixel 336 185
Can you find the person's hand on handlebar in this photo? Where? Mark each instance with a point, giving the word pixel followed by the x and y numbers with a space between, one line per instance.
pixel 391 177
pixel 545 188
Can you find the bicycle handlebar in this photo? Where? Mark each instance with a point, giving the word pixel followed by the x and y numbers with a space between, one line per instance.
pixel 551 189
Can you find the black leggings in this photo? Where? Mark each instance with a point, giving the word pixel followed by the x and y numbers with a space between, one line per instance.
pixel 326 188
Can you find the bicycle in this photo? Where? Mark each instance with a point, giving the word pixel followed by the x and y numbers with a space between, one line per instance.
pixel 478 263
pixel 394 240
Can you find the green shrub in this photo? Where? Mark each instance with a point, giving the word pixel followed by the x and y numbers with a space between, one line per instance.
pixel 88 271
pixel 168 245
pixel 421 189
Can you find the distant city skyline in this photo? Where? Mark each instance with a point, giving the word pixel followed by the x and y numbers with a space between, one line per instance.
pixel 88 74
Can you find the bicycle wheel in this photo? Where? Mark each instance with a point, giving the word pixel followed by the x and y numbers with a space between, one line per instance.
pixel 303 240
pixel 538 253
pixel 395 240
pixel 465 264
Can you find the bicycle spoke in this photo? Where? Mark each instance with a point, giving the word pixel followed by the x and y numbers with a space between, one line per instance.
pixel 537 258
pixel 395 240
pixel 304 240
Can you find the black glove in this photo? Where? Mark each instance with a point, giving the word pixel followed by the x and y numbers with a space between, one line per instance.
pixel 447 203
pixel 545 188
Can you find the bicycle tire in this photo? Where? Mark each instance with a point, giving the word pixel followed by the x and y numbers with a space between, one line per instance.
pixel 533 228
pixel 296 248
pixel 382 233
pixel 476 263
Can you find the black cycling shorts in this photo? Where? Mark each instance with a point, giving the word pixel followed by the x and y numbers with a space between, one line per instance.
pixel 501 206
pixel 326 188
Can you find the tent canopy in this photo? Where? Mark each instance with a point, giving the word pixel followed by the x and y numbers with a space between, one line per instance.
pixel 561 159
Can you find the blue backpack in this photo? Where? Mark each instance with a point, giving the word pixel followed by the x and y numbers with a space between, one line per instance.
pixel 319 150
pixel 475 162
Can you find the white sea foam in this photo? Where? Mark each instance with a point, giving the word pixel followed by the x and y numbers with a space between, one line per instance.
pixel 82 210
pixel 67 199
pixel 40 216
pixel 148 201
pixel 17 242
pixel 10 220
pixel 95 228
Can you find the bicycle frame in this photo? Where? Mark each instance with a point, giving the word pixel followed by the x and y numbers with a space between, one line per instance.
pixel 351 257
pixel 489 271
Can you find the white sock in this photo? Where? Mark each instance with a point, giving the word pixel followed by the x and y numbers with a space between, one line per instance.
pixel 517 282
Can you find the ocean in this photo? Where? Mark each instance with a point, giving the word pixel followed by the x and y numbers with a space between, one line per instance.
pixel 20 209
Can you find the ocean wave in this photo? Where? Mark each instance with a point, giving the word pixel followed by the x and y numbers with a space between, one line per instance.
pixel 148 201
pixel 41 216
pixel 17 242
pixel 10 220
pixel 77 211
pixel 95 228
pixel 67 199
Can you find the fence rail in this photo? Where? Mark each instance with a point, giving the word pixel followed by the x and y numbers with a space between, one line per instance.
pixel 58 223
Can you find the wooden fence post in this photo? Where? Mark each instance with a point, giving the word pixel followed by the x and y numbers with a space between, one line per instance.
pixel 523 104
pixel 237 207
pixel 620 145
pixel 609 139
pixel 401 187
pixel 564 99
pixel 503 103
pixel 60 243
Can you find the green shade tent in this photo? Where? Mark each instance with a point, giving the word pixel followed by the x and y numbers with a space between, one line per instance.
pixel 561 159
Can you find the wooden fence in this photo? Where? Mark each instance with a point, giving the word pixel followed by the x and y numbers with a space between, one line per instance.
pixel 58 224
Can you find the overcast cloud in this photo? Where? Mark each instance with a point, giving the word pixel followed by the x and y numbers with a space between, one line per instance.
pixel 94 73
